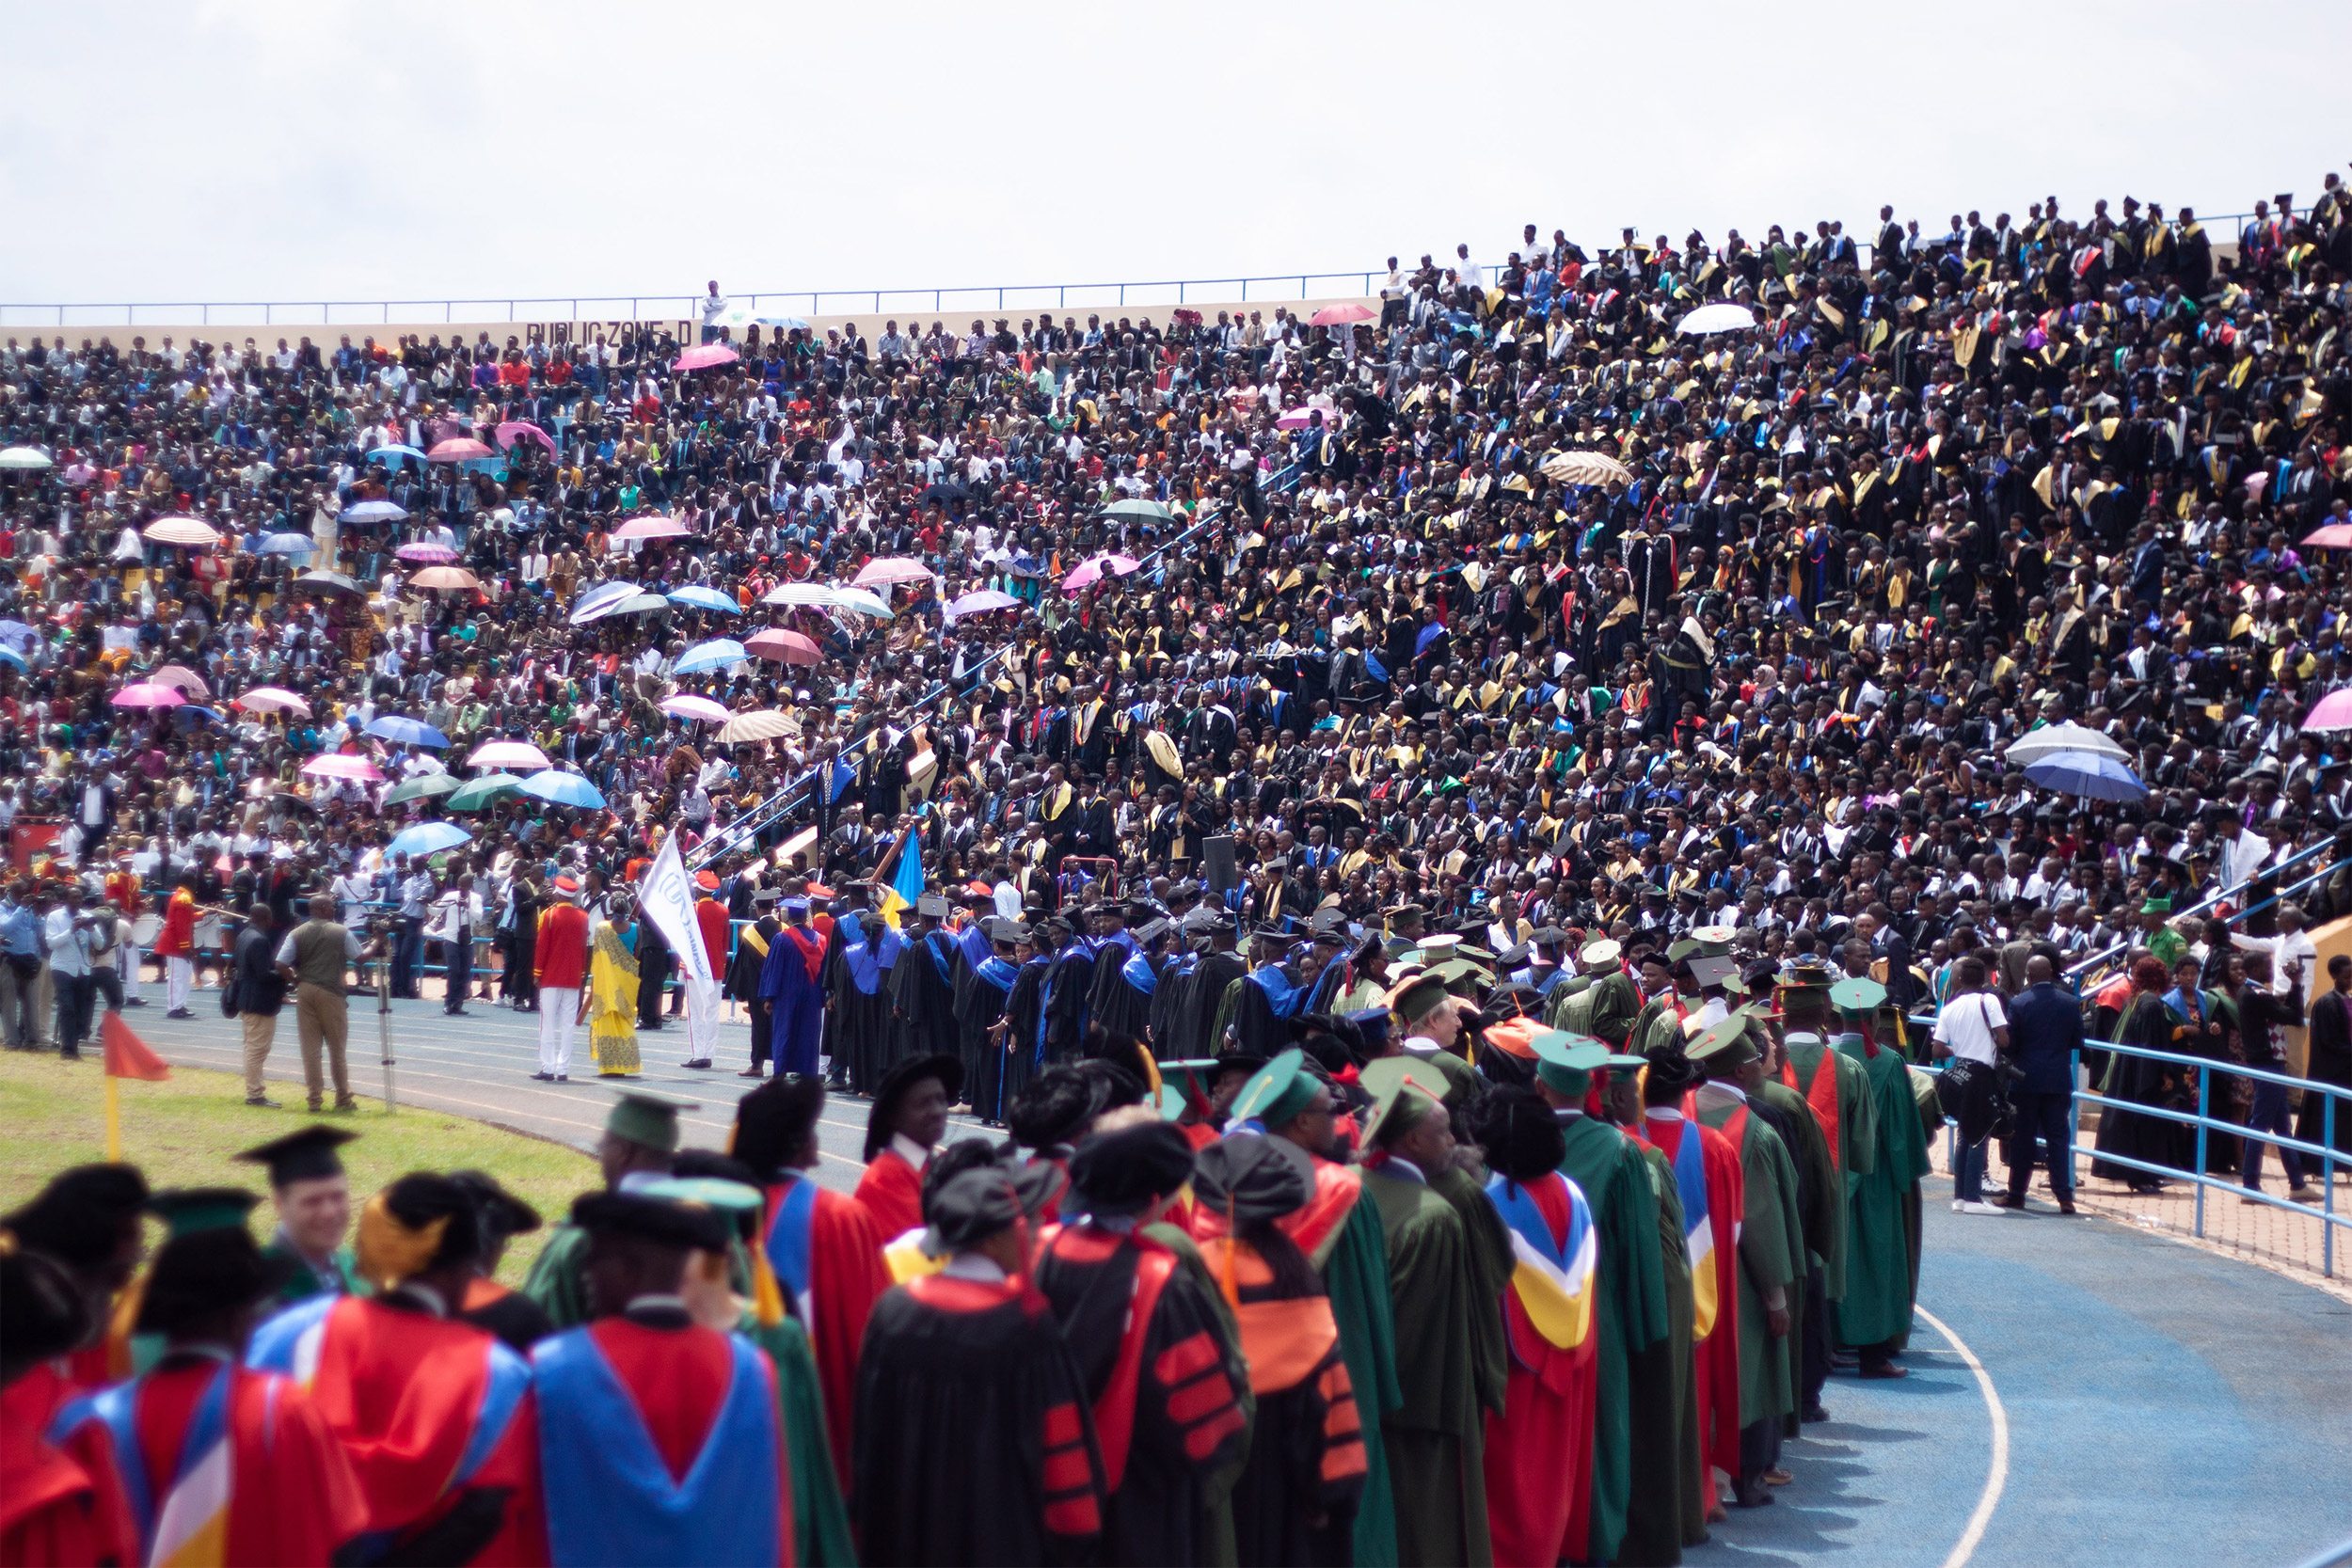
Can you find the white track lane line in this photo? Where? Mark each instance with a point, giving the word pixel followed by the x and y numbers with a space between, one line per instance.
pixel 1996 1475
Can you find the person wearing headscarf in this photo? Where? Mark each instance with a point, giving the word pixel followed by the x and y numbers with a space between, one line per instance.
pixel 610 1006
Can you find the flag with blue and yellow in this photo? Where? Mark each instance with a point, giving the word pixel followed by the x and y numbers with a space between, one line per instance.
pixel 904 884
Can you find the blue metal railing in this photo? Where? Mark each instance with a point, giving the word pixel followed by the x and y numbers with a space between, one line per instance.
pixel 2082 966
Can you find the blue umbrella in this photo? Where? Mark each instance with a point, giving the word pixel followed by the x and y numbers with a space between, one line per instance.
pixel 707 599
pixel 285 544
pixel 427 838
pixel 560 788
pixel 716 654
pixel 2081 774
pixel 375 511
pixel 407 731
pixel 397 452
pixel 210 715
pixel 9 655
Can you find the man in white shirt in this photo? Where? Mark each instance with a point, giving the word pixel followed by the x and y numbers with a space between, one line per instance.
pixel 67 933
pixel 1971 1027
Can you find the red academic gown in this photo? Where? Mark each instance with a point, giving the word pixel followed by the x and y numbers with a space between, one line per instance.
pixel 51 1510
pixel 676 1378
pixel 846 1276
pixel 400 1390
pixel 1715 1358
pixel 891 1191
pixel 711 917
pixel 293 1497
pixel 1545 1433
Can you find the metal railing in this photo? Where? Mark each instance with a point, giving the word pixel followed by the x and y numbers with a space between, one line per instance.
pixel 1271 288
pixel 2082 966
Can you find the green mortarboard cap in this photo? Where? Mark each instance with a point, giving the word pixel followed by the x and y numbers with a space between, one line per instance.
pixel 1601 952
pixel 1419 995
pixel 302 1155
pixel 1181 1083
pixel 1567 1061
pixel 1709 970
pixel 1856 995
pixel 1392 1082
pixel 1277 1091
pixel 644 1117
pixel 2157 904
pixel 187 1210
pixel 710 1191
pixel 1726 1044
pixel 1454 970
pixel 1620 1061
pixel 1681 950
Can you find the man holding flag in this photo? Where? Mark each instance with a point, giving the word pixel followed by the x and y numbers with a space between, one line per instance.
pixel 666 897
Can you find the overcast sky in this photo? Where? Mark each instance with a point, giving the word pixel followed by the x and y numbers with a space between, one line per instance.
pixel 301 149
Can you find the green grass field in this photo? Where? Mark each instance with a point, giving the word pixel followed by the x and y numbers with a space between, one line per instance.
pixel 183 1133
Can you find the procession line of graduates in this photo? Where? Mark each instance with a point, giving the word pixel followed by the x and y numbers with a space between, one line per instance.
pixel 1363 1301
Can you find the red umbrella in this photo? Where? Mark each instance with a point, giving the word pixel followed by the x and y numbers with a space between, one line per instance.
pixel 789 647
pixel 458 449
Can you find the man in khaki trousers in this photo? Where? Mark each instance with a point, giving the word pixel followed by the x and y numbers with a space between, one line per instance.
pixel 259 991
pixel 316 959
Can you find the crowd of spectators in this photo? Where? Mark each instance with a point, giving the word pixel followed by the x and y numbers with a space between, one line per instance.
pixel 1944 489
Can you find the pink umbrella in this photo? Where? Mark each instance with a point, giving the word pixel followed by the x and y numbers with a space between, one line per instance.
pixel 789 647
pixel 652 527
pixel 1340 315
pixel 343 765
pixel 273 698
pixel 149 696
pixel 426 555
pixel 706 356
pixel 890 569
pixel 2335 536
pixel 458 449
pixel 522 430
pixel 1303 416
pixel 508 754
pixel 2332 712
pixel 687 705
pixel 186 681
pixel 445 577
pixel 1095 568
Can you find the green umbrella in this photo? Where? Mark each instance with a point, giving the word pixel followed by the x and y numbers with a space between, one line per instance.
pixel 420 787
pixel 481 791
pixel 1142 511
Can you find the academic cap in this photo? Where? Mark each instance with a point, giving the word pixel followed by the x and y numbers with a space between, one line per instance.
pixel 502 1212
pixel 1278 1091
pixel 1566 1062
pixel 974 1205
pixel 1182 1084
pixel 1725 1045
pixel 303 1155
pixel 1417 996
pixel 729 1200
pixel 186 1210
pixel 1858 995
pixel 647 1118
pixel 1373 1024
pixel 1394 1083
pixel 660 1221
pixel 205 1272
pixel 1710 970
pixel 1252 1178
pixel 933 906
pixel 881 1123
pixel 1602 952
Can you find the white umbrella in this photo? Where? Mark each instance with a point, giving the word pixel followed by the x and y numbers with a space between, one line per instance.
pixel 183 530
pixel 26 459
pixel 862 601
pixel 603 596
pixel 688 705
pixel 2053 738
pixel 507 754
pixel 799 593
pixel 764 724
pixel 1585 467
pixel 1716 318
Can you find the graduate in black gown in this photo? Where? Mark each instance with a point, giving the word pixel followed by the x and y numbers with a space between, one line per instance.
pixel 982 991
pixel 1218 968
pixel 974 1438
pixel 1068 986
pixel 1275 994
pixel 923 986
pixel 1167 995
pixel 744 970
pixel 1019 1038
pixel 858 979
pixel 1112 944
pixel 1124 994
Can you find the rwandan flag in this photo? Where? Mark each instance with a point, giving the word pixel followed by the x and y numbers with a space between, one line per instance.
pixel 1698 1239
pixel 1556 1251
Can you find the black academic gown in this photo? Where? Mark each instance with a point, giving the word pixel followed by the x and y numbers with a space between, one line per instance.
pixel 858 1025
pixel 1025 1020
pixel 1196 1016
pixel 981 994
pixel 1264 1009
pixel 1068 988
pixel 1124 994
pixel 923 995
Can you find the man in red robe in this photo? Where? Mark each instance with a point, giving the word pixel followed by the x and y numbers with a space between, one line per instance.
pixel 176 945
pixel 211 1460
pixel 909 1117
pixel 434 1412
pixel 1667 1126
pixel 52 1511
pixel 824 1248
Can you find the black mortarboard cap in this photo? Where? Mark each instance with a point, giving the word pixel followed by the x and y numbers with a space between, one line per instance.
pixel 650 1219
pixel 302 1155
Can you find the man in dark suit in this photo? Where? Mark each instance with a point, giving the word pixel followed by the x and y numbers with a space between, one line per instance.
pixel 2045 1029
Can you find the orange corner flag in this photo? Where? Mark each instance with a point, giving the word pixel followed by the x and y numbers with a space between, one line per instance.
pixel 127 1056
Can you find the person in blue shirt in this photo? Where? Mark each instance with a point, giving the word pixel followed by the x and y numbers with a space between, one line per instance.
pixel 22 943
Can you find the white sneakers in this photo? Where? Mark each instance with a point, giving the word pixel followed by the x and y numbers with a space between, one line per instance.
pixel 1962 1205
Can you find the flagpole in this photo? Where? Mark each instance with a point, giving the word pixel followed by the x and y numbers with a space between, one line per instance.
pixel 114 1118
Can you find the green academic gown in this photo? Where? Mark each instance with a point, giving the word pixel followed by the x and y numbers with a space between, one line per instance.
pixel 1436 1439
pixel 1355 1277
pixel 1668 1510
pixel 1617 1001
pixel 820 1521
pixel 1930 1109
pixel 305 1282
pixel 1879 1283
pixel 1819 1200
pixel 1772 1239
pixel 1857 1147
pixel 554 1280
pixel 1631 1316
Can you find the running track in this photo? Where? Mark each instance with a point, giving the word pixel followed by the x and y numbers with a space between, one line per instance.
pixel 2139 1402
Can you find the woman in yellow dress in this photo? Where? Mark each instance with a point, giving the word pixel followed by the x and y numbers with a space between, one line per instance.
pixel 612 993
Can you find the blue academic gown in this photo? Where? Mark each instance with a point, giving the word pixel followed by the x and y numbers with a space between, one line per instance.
pixel 797 1027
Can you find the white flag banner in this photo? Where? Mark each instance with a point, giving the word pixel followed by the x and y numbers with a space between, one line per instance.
pixel 667 896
